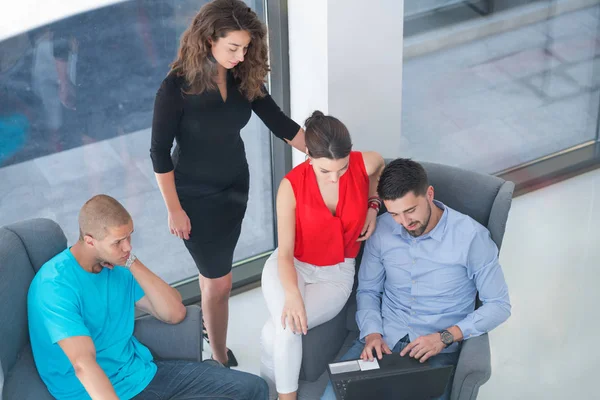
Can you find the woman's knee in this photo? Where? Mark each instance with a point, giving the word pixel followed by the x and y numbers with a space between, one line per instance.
pixel 270 270
pixel 271 284
pixel 267 334
pixel 286 337
pixel 216 289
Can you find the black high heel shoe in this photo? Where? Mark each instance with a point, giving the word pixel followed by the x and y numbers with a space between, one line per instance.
pixel 231 360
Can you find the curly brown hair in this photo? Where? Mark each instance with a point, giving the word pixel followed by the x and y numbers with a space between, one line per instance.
pixel 216 20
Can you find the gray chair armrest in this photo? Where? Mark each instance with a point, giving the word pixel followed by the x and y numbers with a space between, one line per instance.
pixel 474 368
pixel 182 341
pixel 499 212
pixel 320 346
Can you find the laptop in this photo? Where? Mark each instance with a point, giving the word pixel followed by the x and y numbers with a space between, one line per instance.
pixel 392 377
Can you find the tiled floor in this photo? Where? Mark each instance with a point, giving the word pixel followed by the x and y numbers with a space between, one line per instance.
pixel 506 99
pixel 551 259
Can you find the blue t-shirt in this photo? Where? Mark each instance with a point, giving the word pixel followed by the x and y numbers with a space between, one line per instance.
pixel 63 301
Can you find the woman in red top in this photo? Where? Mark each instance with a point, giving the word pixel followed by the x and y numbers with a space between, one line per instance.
pixel 325 207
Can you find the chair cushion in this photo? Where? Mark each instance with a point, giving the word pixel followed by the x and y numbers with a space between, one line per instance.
pixel 42 238
pixel 321 344
pixel 23 381
pixel 351 324
pixel 16 274
pixel 468 192
pixel 313 390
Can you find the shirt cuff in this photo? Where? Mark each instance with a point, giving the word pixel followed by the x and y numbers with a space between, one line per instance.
pixel 467 327
pixel 65 335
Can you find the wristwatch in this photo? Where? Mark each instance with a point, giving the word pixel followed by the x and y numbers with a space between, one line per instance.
pixel 447 337
pixel 130 260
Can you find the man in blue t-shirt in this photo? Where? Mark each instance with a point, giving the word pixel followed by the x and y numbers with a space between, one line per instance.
pixel 81 319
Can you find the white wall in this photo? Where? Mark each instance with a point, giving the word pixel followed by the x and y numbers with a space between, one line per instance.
pixel 307 25
pixel 346 60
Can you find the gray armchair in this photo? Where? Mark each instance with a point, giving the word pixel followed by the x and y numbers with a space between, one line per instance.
pixel 485 198
pixel 24 248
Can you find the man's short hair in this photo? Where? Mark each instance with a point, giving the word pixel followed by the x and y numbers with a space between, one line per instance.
pixel 100 213
pixel 400 177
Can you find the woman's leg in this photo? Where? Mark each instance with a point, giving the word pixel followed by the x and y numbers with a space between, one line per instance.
pixel 267 345
pixel 215 312
pixel 214 260
pixel 282 362
pixel 325 291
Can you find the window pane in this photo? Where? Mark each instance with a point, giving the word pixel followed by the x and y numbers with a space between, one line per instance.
pixel 62 144
pixel 503 99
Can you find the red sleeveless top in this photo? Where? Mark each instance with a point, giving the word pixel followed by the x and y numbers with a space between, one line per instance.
pixel 323 239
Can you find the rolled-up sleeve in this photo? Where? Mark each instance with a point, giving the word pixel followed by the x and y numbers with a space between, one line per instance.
pixel 269 112
pixel 484 268
pixel 371 278
pixel 168 110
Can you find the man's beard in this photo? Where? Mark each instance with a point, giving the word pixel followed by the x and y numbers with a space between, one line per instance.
pixel 418 232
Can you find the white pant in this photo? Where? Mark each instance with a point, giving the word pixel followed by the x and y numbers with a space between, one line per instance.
pixel 324 290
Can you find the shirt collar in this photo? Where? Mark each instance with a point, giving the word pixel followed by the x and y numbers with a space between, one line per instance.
pixel 436 233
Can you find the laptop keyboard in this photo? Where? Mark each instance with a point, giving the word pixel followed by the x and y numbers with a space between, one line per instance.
pixel 341 388
pixel 342 385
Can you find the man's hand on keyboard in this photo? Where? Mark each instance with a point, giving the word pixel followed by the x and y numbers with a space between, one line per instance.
pixel 374 341
pixel 424 347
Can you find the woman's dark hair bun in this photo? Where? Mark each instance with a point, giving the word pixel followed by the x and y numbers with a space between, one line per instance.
pixel 315 116
pixel 326 136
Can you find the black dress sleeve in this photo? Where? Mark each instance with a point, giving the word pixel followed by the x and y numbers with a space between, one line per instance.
pixel 168 110
pixel 269 112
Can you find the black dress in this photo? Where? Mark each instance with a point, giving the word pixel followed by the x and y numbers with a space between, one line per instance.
pixel 209 160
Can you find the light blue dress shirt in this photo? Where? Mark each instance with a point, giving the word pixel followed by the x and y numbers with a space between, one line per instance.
pixel 418 286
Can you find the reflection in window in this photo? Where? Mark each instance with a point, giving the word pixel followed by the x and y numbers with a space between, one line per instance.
pixel 505 99
pixel 76 100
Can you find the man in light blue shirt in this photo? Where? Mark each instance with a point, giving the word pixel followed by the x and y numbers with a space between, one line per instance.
pixel 81 318
pixel 420 273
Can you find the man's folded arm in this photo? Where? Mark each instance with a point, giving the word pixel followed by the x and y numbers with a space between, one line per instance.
pixel 484 268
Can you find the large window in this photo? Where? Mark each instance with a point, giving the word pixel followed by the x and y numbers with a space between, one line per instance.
pixel 500 89
pixel 60 144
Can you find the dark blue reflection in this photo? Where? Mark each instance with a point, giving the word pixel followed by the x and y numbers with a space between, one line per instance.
pixel 86 78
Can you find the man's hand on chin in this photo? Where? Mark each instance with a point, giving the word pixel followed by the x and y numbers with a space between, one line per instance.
pixel 107 265
pixel 424 347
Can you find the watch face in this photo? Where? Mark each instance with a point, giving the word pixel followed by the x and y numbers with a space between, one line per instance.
pixel 447 338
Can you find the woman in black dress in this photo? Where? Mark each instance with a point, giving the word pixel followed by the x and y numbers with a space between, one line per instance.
pixel 208 96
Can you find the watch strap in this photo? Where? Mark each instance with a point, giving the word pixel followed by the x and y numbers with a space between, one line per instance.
pixel 130 260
